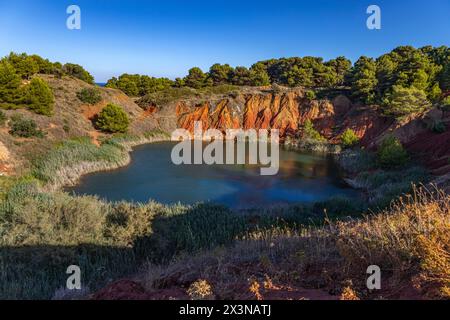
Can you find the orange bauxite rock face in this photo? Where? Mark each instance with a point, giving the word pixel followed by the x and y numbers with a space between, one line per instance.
pixel 287 111
pixel 284 111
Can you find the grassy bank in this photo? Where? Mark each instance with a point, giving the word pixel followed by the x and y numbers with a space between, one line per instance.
pixel 69 160
pixel 409 242
pixel 380 185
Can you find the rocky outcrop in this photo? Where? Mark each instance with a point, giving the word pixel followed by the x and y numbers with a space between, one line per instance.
pixel 288 109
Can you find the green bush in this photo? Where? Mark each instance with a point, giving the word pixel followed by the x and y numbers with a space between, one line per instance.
pixel 78 71
pixel 391 153
pixel 9 84
pixel 89 95
pixel 405 101
pixel 113 119
pixel 24 128
pixel 38 97
pixel 349 138
pixel 310 95
pixel 310 133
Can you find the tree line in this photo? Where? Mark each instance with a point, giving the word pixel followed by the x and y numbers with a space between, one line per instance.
pixel 403 81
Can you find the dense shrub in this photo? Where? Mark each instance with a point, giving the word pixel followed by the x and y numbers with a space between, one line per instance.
pixel 139 85
pixel 112 119
pixel 349 138
pixel 38 97
pixel 25 65
pixel 404 101
pixel 24 128
pixel 9 84
pixel 78 71
pixel 89 95
pixel 391 153
pixel 310 133
pixel 310 95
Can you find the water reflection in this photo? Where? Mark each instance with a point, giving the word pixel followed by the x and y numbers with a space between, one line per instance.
pixel 151 175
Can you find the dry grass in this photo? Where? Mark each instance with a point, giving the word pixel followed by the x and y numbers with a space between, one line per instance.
pixel 200 290
pixel 410 242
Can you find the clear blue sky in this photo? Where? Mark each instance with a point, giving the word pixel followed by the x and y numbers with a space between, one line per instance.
pixel 166 38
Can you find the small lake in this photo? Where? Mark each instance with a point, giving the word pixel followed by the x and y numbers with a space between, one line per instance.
pixel 303 177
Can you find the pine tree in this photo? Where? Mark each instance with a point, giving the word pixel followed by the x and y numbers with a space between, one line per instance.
pixel 364 80
pixel 113 119
pixel 404 101
pixel 9 83
pixel 38 97
pixel 196 78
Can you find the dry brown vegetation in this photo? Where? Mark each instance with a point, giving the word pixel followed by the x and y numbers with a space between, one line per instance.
pixel 410 242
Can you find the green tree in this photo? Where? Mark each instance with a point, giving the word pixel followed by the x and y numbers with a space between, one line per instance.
pixel 196 78
pixel 9 84
pixel 349 138
pixel 241 76
pixel 128 84
pixel 391 153
pixel 364 80
pixel 297 76
pixel 310 95
pixel 179 83
pixel 113 119
pixel 38 97
pixel 259 75
pixel 444 78
pixel 310 133
pixel 341 67
pixel 147 85
pixel 405 101
pixel 386 70
pixel 435 92
pixel 44 65
pixel 220 74
pixel 78 71
pixel 112 83
pixel 89 95
pixel 24 65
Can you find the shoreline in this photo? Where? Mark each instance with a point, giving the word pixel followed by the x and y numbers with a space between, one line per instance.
pixel 70 176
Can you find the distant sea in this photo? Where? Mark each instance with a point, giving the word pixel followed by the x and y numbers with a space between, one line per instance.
pixel 101 84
